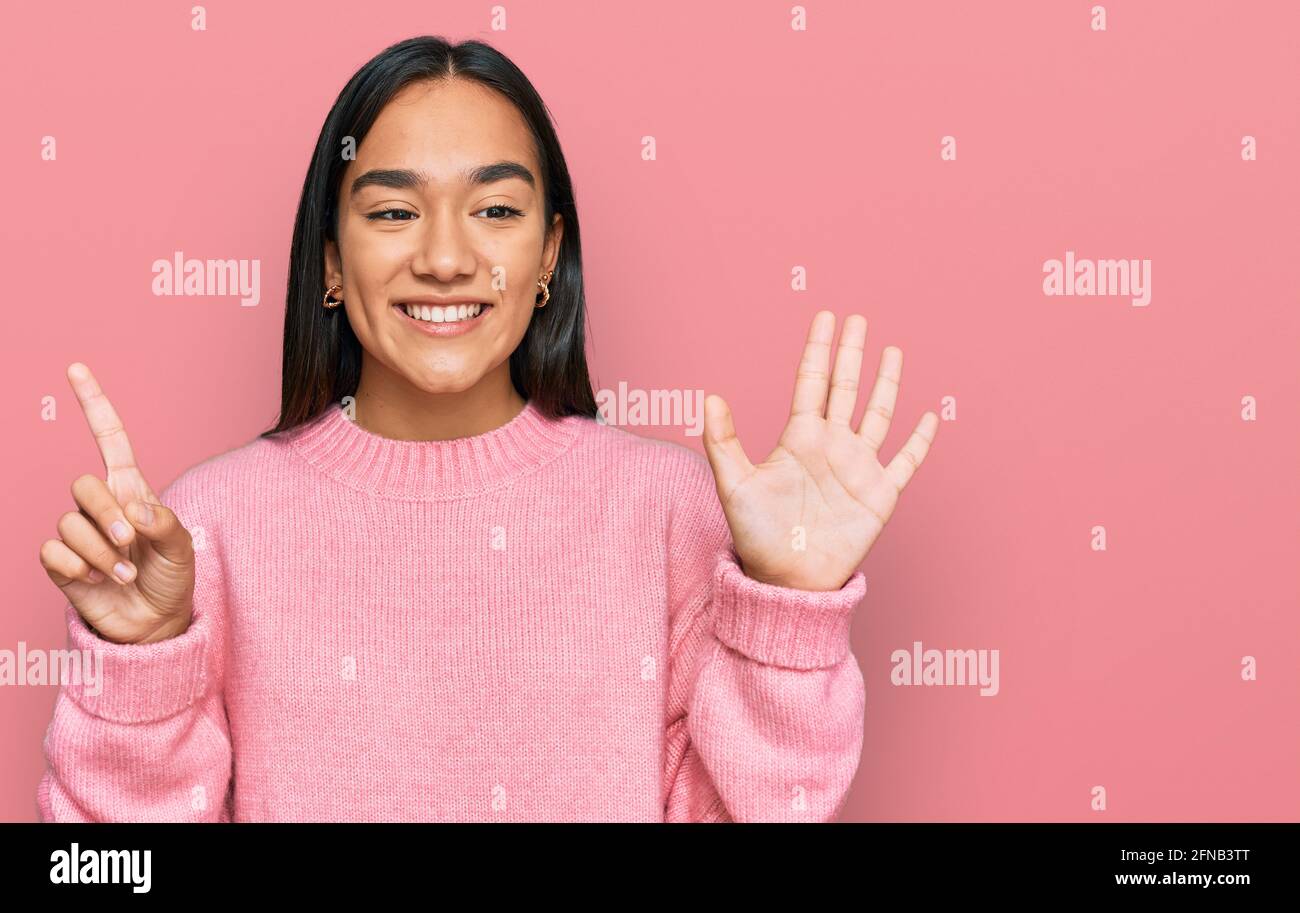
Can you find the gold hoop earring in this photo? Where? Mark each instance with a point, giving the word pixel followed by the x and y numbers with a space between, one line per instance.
pixel 329 302
pixel 546 291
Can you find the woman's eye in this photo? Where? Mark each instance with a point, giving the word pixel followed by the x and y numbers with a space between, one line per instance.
pixel 510 212
pixel 379 216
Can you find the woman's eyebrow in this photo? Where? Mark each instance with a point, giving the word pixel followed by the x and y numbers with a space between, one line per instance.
pixel 407 179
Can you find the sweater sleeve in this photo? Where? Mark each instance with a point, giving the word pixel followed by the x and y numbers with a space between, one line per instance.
pixel 765 700
pixel 146 738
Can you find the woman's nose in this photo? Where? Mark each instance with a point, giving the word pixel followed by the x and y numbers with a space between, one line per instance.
pixel 444 247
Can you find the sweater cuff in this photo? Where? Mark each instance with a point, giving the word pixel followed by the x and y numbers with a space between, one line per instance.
pixel 780 626
pixel 139 683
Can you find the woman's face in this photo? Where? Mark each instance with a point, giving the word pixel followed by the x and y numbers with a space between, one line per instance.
pixel 423 218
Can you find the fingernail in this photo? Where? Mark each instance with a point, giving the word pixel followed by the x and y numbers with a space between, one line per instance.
pixel 124 571
pixel 119 531
pixel 95 575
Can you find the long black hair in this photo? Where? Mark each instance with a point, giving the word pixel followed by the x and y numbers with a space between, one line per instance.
pixel 322 356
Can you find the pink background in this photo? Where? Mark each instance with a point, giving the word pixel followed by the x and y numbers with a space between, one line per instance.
pixel 780 148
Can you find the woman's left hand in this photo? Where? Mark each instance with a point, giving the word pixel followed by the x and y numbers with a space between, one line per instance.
pixel 807 515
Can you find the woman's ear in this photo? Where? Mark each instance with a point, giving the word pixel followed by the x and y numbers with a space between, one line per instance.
pixel 333 268
pixel 551 250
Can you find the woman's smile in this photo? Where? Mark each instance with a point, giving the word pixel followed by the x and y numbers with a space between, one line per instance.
pixel 435 320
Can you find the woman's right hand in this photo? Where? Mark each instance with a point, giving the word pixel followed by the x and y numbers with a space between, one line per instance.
pixel 120 525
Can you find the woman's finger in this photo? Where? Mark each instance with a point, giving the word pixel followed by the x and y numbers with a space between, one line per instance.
pixel 847 373
pixel 65 566
pixel 813 375
pixel 160 525
pixel 97 502
pixel 102 418
pixel 912 454
pixel 722 448
pixel 884 397
pixel 80 535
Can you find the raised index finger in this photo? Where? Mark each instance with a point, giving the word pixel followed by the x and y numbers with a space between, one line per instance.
pixel 102 418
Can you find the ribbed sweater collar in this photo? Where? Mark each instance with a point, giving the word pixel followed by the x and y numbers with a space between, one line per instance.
pixel 435 470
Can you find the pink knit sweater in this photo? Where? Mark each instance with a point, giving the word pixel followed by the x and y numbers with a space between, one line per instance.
pixel 545 622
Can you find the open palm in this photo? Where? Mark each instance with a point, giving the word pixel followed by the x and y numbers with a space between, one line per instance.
pixel 807 515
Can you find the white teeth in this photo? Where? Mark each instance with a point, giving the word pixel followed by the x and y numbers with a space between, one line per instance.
pixel 453 313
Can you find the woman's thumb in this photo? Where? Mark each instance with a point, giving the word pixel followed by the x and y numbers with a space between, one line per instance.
pixel 163 529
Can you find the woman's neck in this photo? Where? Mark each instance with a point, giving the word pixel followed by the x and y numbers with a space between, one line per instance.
pixel 390 406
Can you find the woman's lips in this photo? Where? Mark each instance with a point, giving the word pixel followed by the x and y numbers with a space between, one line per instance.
pixel 456 328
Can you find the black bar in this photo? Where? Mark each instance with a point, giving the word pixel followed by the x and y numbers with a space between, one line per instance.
pixel 973 860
